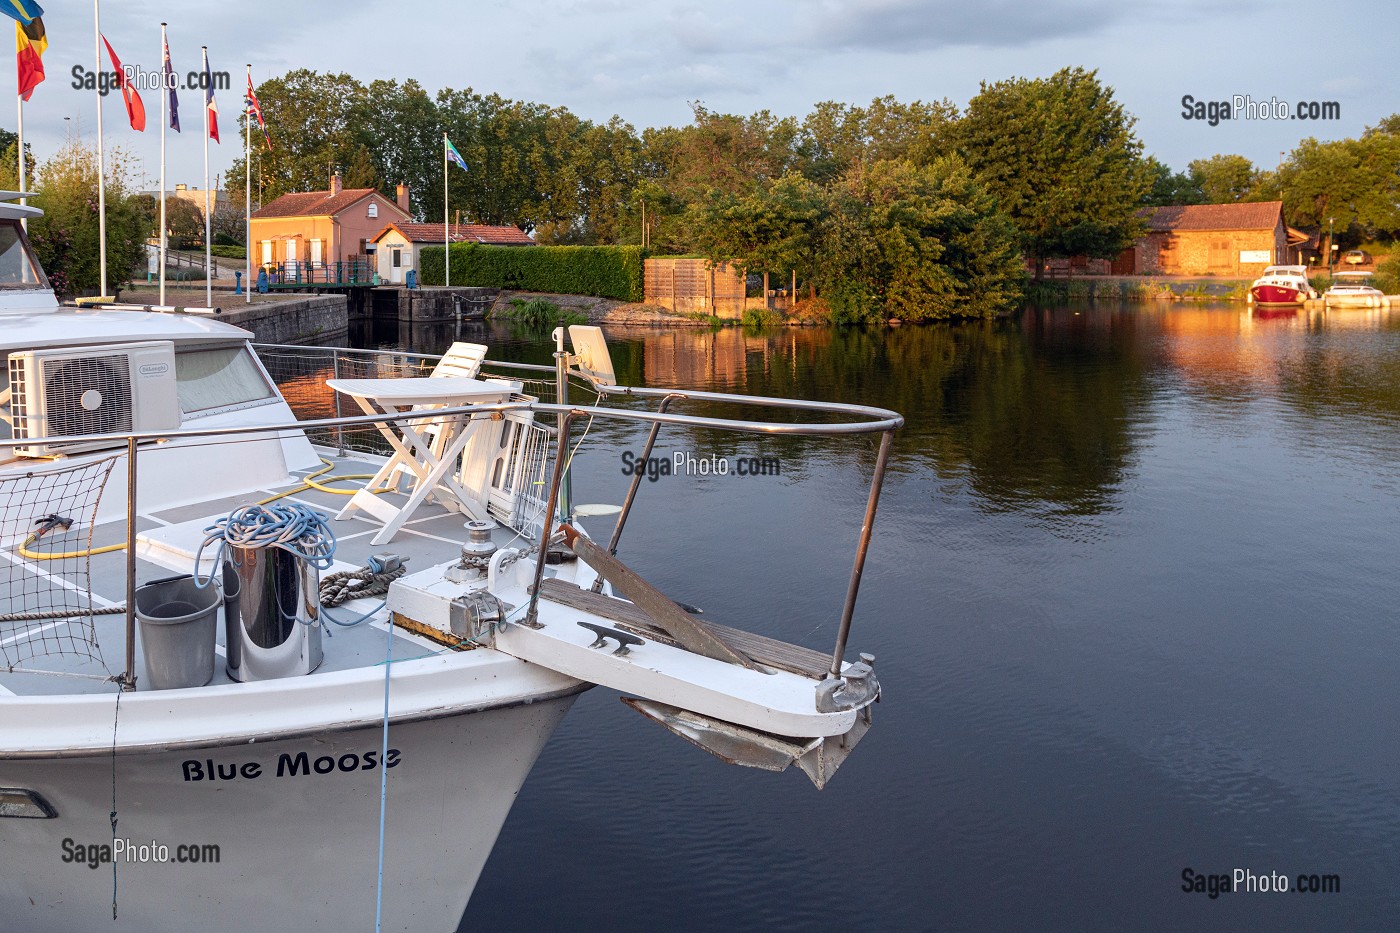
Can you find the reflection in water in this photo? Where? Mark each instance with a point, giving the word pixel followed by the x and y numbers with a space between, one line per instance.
pixel 1132 595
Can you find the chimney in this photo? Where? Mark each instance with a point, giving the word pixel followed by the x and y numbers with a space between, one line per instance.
pixel 336 187
pixel 401 196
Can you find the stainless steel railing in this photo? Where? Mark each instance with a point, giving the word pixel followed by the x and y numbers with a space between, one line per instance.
pixel 872 420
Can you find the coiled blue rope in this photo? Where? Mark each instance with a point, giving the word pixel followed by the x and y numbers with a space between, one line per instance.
pixel 298 529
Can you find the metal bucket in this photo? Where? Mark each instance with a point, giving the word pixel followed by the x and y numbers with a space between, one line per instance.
pixel 178 622
pixel 273 618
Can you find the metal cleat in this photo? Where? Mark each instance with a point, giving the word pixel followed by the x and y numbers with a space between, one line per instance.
pixel 603 632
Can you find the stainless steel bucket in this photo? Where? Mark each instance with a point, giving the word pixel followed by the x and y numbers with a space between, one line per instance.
pixel 272 615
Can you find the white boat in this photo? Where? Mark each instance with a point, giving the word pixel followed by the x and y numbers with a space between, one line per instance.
pixel 340 781
pixel 1354 290
pixel 1282 285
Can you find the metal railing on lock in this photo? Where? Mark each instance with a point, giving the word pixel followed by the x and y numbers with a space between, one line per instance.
pixel 878 420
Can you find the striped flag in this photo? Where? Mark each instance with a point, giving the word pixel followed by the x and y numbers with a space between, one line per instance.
pixel 170 83
pixel 30 43
pixel 256 109
pixel 209 103
pixel 135 110
pixel 454 156
pixel 23 12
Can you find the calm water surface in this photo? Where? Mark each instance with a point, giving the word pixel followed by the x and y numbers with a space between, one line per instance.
pixel 1133 600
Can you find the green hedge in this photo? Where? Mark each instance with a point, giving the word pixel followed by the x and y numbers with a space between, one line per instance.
pixel 599 271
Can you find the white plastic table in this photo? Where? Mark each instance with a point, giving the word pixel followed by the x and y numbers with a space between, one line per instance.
pixel 430 461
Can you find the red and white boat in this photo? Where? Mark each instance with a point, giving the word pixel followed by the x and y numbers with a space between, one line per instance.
pixel 1282 285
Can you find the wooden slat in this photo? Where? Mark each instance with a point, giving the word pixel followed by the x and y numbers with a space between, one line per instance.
pixel 769 651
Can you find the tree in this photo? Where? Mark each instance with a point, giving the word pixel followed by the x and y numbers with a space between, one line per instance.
pixel 1224 179
pixel 184 223
pixel 1355 182
pixel 1060 156
pixel 835 136
pixel 316 123
pixel 66 237
pixel 916 243
pixel 766 231
pixel 1169 187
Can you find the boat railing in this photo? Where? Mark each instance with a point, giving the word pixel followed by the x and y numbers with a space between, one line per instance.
pixel 862 420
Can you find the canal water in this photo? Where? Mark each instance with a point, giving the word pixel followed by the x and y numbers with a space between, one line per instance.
pixel 1133 600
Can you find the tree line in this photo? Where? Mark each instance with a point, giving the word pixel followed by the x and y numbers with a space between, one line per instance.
pixel 914 210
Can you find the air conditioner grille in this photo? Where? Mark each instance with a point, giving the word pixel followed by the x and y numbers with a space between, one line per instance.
pixel 19 400
pixel 90 395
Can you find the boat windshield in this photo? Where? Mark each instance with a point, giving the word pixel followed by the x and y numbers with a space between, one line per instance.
pixel 18 268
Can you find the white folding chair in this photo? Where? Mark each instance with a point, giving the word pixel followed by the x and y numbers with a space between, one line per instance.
pixel 462 361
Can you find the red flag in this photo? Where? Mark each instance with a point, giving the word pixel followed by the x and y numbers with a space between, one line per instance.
pixel 30 43
pixel 135 110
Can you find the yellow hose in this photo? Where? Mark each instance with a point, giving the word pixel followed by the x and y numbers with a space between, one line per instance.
pixel 308 483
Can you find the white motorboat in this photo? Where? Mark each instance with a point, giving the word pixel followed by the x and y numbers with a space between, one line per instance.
pixel 1354 290
pixel 1282 285
pixel 160 771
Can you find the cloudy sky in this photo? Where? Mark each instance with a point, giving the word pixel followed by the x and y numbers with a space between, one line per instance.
pixel 646 60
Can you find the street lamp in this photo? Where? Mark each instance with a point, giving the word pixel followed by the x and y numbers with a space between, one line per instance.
pixel 1331 245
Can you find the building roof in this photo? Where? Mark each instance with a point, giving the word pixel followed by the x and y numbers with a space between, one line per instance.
pixel 461 233
pixel 1298 237
pixel 1258 215
pixel 320 203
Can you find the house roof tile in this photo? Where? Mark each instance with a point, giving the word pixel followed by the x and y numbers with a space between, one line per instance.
pixel 318 203
pixel 461 233
pixel 1257 215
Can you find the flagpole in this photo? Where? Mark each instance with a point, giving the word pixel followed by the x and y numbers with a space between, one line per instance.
pixel 23 186
pixel 247 190
pixel 164 244
pixel 208 253
pixel 101 159
pixel 446 235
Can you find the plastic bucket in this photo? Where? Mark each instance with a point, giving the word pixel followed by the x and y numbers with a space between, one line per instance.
pixel 178 622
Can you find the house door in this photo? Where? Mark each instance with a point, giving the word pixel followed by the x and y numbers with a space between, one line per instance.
pixel 1220 257
pixel 289 255
pixel 396 265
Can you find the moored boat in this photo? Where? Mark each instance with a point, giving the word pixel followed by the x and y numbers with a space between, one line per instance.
pixel 1354 290
pixel 1282 285
pixel 212 758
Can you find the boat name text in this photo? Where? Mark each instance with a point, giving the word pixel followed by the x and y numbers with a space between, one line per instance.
pixel 288 765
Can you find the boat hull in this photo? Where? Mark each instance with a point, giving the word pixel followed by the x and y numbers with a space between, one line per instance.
pixel 295 820
pixel 1277 295
pixel 1377 300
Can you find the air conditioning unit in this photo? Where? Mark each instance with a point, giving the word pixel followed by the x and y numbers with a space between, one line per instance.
pixel 73 391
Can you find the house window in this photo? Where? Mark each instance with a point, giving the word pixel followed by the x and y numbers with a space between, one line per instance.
pixel 267 252
pixel 316 252
pixel 397 257
pixel 373 209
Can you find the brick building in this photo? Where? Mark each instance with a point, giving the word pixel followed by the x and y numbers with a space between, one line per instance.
pixel 1236 240
pixel 313 228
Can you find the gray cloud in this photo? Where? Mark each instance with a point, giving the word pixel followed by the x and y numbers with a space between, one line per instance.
pixel 928 25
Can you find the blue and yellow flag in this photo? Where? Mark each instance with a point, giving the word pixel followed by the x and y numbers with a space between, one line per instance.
pixel 25 11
